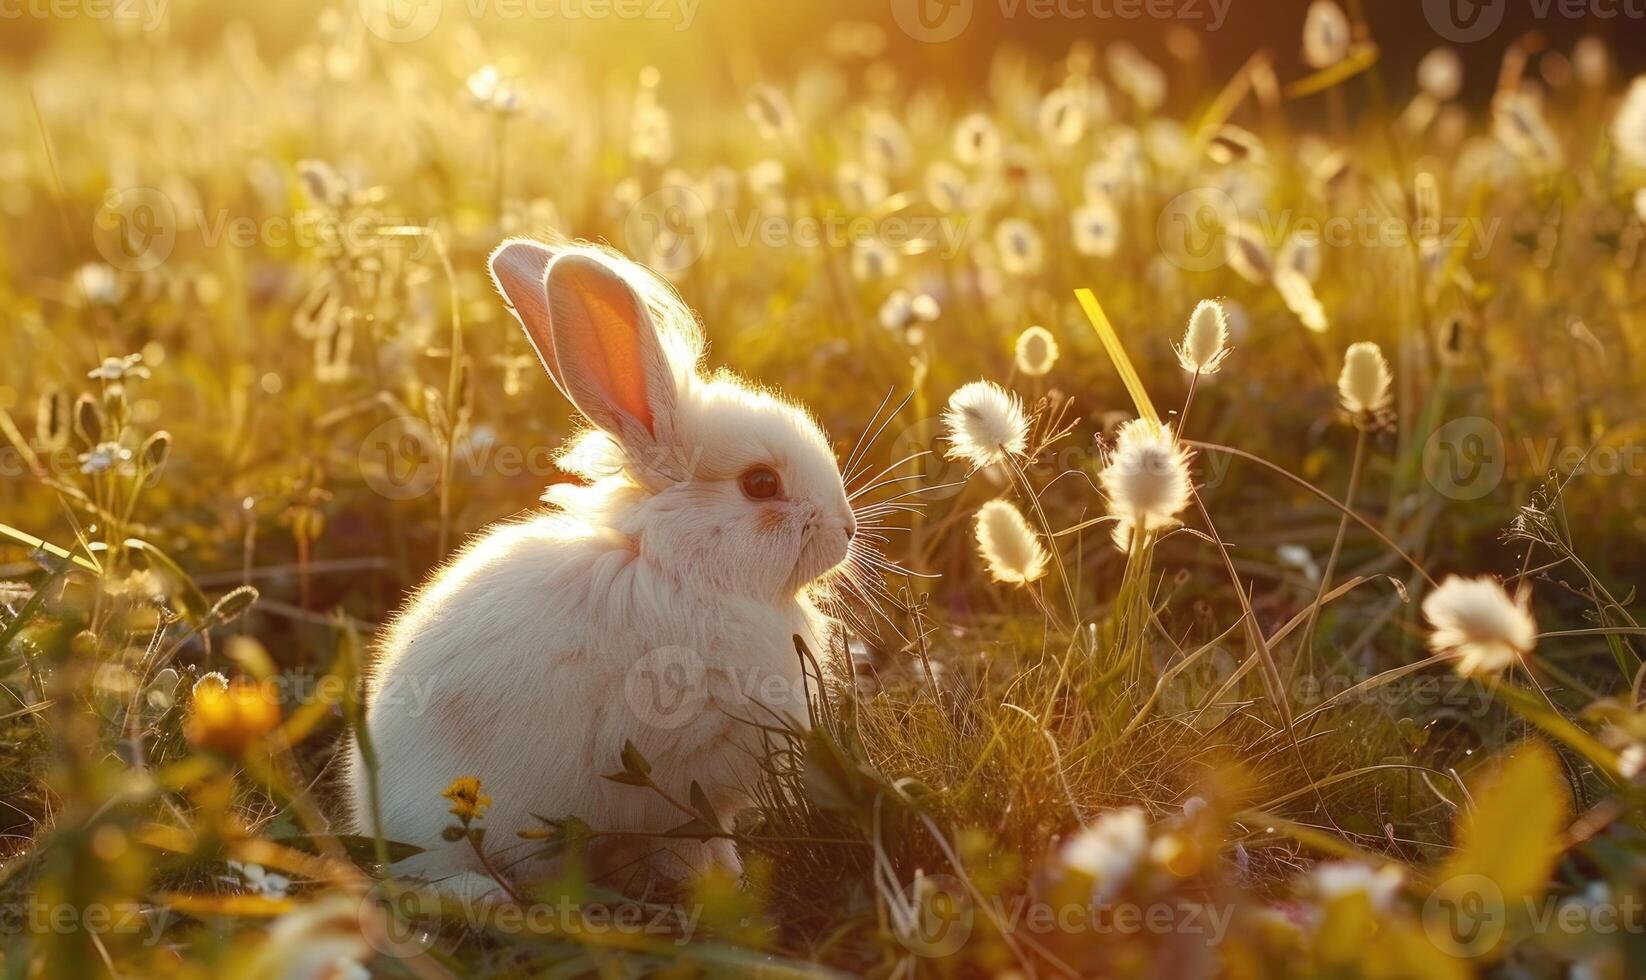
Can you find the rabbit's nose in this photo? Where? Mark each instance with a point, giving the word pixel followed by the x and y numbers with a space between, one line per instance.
pixel 851 528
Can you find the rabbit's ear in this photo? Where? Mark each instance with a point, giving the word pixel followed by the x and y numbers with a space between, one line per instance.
pixel 613 365
pixel 520 268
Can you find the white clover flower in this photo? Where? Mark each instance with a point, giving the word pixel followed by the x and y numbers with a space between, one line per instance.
pixel 1008 545
pixel 1363 385
pixel 1146 476
pixel 1206 339
pixel 985 424
pixel 1110 849
pixel 1036 351
pixel 1477 622
pixel 1095 228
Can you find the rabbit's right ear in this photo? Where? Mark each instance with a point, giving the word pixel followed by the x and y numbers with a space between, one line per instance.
pixel 520 268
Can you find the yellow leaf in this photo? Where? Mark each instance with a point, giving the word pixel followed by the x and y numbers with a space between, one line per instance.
pixel 1117 354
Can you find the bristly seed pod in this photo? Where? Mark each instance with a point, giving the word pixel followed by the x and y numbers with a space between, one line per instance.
pixel 52 420
pixel 88 420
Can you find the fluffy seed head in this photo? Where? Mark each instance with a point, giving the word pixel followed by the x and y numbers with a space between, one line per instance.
pixel 1110 849
pixel 1629 125
pixel 1147 475
pixel 1363 387
pixel 1477 622
pixel 1036 351
pixel 1010 547
pixel 1206 341
pixel 1325 34
pixel 985 424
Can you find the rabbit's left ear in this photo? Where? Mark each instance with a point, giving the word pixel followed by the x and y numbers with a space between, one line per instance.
pixel 612 363
pixel 520 268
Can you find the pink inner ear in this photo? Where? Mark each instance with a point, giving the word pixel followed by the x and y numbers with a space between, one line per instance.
pixel 600 337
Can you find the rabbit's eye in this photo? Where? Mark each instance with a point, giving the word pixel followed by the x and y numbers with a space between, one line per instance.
pixel 760 483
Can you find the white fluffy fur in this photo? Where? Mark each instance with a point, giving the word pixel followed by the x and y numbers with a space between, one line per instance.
pixel 526 649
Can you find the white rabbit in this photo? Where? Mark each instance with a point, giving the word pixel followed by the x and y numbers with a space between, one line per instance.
pixel 655 603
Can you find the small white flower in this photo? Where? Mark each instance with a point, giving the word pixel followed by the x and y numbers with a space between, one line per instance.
pixel 97 283
pixel 1325 34
pixel 1339 879
pixel 1095 227
pixel 1363 385
pixel 1021 250
pixel 1063 116
pixel 1036 351
pixel 1110 849
pixel 106 457
pixel 1631 761
pixel 905 311
pixel 1440 74
pixel 1629 125
pixel 1008 545
pixel 977 141
pixel 1477 622
pixel 259 880
pixel 1206 340
pixel 985 424
pixel 119 368
pixel 947 187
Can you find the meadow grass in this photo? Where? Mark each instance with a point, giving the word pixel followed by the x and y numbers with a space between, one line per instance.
pixel 1205 658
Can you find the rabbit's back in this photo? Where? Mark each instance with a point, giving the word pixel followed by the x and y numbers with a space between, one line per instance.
pixel 535 655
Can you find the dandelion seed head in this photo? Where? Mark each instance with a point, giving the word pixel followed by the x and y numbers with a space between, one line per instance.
pixel 1476 622
pixel 1095 227
pixel 1363 385
pixel 1022 251
pixel 1009 546
pixel 1206 340
pixel 1036 351
pixel 1146 476
pixel 985 424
